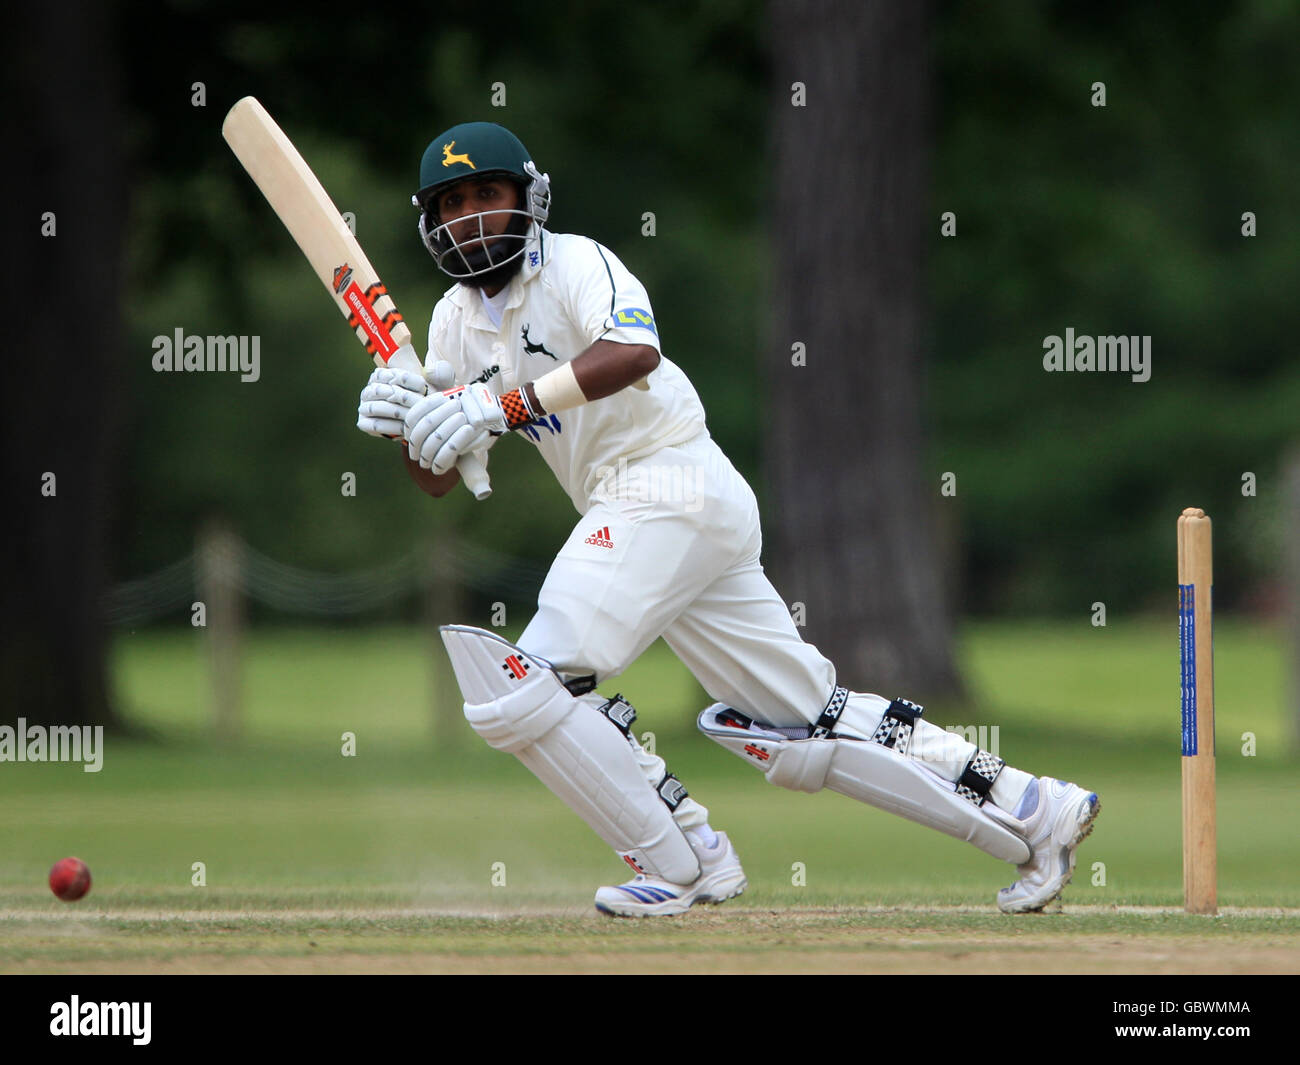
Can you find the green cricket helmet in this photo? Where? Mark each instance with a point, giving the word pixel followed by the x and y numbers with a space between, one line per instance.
pixel 480 150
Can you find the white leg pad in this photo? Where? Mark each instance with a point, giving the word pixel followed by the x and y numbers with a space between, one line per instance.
pixel 518 705
pixel 866 771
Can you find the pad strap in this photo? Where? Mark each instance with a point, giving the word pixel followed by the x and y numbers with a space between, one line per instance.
pixel 620 714
pixel 831 715
pixel 895 728
pixel 977 778
pixel 581 685
pixel 672 791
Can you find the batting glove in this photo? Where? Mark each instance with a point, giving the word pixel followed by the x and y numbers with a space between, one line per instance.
pixel 387 398
pixel 483 410
pixel 438 433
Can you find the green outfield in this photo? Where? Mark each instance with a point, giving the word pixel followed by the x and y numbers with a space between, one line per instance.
pixel 425 851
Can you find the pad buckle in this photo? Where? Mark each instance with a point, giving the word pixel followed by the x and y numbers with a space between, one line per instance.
pixel 620 714
pixel 895 728
pixel 672 791
pixel 580 685
pixel 977 778
pixel 830 717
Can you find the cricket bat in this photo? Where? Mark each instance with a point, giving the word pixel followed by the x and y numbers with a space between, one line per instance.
pixel 319 230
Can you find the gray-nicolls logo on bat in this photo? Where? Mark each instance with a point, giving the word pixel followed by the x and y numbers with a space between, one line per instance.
pixel 534 349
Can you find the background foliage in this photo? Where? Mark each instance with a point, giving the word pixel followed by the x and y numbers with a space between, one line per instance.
pixel 1123 219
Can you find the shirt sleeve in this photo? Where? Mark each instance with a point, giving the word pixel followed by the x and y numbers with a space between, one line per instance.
pixel 606 300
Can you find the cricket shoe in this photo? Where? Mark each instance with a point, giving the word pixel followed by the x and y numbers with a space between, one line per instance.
pixel 1063 819
pixel 721 878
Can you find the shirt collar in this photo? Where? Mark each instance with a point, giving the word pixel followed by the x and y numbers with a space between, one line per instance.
pixel 469 299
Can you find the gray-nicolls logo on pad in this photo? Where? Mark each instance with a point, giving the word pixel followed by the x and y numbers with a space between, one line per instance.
pixel 516 666
pixel 102 1018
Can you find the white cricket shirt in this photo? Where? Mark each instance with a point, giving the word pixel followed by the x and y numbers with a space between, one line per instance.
pixel 569 293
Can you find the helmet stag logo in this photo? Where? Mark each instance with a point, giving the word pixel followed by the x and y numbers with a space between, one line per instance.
pixel 451 160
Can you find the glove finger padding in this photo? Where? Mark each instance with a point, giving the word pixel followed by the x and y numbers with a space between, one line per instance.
pixel 388 428
pixel 383 408
pixel 430 403
pixel 426 416
pixel 400 387
pixel 463 440
pixel 434 432
pixel 387 396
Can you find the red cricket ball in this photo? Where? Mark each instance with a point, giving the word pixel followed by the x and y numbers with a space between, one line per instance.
pixel 70 879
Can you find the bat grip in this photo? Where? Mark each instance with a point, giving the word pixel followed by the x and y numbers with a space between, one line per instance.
pixel 475 475
pixel 472 470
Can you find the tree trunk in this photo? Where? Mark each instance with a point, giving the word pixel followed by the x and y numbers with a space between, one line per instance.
pixel 65 139
pixel 852 513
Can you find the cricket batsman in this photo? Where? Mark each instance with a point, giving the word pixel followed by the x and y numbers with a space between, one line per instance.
pixel 547 336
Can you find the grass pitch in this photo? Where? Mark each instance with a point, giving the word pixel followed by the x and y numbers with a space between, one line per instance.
pixel 427 852
pixel 367 937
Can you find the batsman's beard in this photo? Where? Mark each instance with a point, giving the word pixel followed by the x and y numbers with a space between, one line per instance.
pixel 483 260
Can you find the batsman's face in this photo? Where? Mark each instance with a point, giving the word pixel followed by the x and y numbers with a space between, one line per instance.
pixel 492 198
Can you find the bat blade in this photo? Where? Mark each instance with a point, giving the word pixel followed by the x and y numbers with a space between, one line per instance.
pixel 317 227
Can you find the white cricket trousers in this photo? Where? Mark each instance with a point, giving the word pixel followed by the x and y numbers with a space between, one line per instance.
pixel 670 547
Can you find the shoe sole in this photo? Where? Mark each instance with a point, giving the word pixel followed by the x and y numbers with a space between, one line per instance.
pixel 1083 829
pixel 677 907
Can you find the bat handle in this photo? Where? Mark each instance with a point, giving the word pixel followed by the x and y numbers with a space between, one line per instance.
pixel 472 470
pixel 475 475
